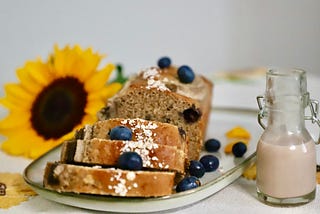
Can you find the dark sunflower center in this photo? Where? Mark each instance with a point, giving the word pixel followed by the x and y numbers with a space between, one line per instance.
pixel 59 108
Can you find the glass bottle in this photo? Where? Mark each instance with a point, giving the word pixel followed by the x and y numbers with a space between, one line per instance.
pixel 286 154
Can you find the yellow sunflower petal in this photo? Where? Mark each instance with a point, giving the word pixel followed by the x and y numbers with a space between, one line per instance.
pixel 34 76
pixel 38 150
pixel 74 63
pixel 39 72
pixel 93 59
pixel 94 107
pixel 6 102
pixel 17 91
pixel 19 144
pixel 99 79
pixel 23 104
pixel 13 148
pixel 69 135
pixel 60 58
pixel 26 80
pixel 111 89
pixel 25 135
pixel 19 105
pixel 88 119
pixel 81 64
pixel 28 144
pixel 13 121
pixel 88 68
pixel 17 99
pixel 97 95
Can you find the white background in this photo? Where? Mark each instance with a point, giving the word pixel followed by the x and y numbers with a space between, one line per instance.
pixel 208 35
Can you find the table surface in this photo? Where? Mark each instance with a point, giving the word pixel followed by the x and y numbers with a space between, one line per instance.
pixel 240 196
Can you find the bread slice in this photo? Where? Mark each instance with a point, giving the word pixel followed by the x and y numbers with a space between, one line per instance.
pixel 106 153
pixel 92 180
pixel 142 130
pixel 158 95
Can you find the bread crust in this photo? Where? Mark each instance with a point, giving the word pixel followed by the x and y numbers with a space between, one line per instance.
pixel 107 181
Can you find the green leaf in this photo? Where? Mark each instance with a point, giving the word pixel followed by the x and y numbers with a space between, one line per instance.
pixel 120 78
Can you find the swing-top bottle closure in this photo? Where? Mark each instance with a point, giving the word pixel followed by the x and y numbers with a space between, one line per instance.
pixel 264 102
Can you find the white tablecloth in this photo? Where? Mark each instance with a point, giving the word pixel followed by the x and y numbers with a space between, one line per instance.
pixel 239 197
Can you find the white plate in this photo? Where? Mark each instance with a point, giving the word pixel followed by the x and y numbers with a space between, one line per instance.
pixel 221 120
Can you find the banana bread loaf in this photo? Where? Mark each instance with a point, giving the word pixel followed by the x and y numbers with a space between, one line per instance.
pixel 88 163
pixel 158 95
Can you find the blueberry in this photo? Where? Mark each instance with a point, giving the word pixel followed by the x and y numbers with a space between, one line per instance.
pixel 210 162
pixel 196 169
pixel 164 62
pixel 120 133
pixel 239 149
pixel 130 161
pixel 185 74
pixel 212 145
pixel 188 183
pixel 192 115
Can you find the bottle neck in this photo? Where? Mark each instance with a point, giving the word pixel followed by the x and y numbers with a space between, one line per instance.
pixel 287 116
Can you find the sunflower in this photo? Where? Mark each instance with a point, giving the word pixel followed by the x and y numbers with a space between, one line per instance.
pixel 54 98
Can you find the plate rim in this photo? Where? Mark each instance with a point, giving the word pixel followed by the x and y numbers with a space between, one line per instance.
pixel 202 191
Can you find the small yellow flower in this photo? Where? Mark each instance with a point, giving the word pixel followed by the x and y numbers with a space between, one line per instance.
pixel 235 135
pixel 54 98
pixel 238 132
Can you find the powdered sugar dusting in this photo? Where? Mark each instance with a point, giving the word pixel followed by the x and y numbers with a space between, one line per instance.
pixel 152 76
pixel 150 73
pixel 144 143
pixel 120 187
pixel 131 176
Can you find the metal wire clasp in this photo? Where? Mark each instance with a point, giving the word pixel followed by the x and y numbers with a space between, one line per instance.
pixel 262 112
pixel 314 110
